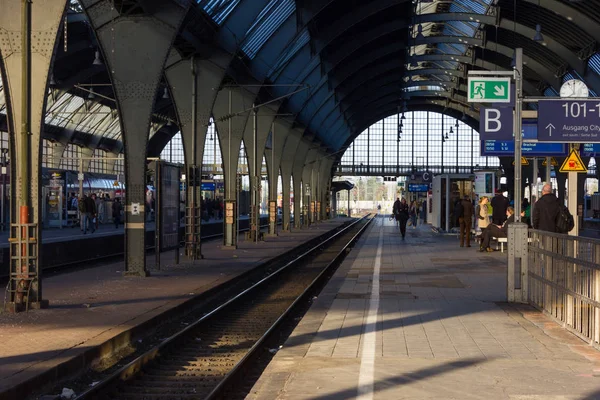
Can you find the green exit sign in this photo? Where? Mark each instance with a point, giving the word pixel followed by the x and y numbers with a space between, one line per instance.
pixel 494 90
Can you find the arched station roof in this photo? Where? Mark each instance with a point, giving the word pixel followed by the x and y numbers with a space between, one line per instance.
pixel 359 61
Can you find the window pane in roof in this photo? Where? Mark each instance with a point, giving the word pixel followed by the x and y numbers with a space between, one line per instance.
pixel 218 10
pixel 550 92
pixel 594 63
pixel 269 20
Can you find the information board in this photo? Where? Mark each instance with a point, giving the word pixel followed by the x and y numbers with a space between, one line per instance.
pixel 418 187
pixel 590 149
pixel 571 121
pixel 169 202
pixel 506 149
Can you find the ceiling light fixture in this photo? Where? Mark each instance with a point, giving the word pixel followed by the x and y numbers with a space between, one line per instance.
pixel 165 94
pixel 538 37
pixel 97 60
pixel 420 32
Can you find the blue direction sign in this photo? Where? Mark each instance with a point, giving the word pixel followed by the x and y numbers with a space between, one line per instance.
pixel 569 121
pixel 507 148
pixel 590 149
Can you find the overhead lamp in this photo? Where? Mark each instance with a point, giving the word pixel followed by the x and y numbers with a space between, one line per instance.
pixel 165 94
pixel 456 125
pixel 403 117
pixel 211 137
pixel 420 32
pixel 401 124
pixel 97 60
pixel 464 117
pixel 447 135
pixel 91 95
pixel 52 81
pixel 451 131
pixel 538 37
pixel 169 123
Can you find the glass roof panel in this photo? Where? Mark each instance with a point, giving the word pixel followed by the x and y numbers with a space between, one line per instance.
pixel 218 10
pixel 594 63
pixel 268 21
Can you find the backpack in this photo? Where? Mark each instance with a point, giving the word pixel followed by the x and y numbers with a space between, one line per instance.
pixel 564 220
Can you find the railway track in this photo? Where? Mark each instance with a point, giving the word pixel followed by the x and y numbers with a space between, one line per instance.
pixel 203 359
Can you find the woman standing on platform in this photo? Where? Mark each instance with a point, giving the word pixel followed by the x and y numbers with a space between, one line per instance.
pixel 482 213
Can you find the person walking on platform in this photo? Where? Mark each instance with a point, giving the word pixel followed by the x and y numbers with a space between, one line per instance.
pixel 395 209
pixel 117 207
pixel 90 213
pixel 497 231
pixel 466 221
pixel 413 211
pixel 82 214
pixel 401 214
pixel 499 207
pixel 545 210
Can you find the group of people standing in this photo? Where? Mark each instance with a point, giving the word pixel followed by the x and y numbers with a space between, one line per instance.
pixel 92 209
pixel 544 216
pixel 403 212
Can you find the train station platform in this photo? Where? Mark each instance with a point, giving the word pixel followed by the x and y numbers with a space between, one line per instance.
pixel 426 319
pixel 95 309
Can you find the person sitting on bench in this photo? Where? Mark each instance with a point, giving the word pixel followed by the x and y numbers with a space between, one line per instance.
pixel 497 231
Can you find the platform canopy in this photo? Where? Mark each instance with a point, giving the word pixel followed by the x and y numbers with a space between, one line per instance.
pixel 359 61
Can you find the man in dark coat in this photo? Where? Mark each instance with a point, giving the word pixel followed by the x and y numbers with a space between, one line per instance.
pixel 545 210
pixel 466 221
pixel 499 206
pixel 401 214
pixel 497 231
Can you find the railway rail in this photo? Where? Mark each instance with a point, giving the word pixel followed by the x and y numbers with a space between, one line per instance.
pixel 203 359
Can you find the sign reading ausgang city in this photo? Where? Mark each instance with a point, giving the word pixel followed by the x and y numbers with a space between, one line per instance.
pixel 488 90
pixel 569 121
pixel 496 123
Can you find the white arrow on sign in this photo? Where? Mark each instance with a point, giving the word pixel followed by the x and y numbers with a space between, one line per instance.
pixel 549 128
pixel 499 90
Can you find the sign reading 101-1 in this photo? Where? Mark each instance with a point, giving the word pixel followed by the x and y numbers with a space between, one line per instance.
pixel 569 121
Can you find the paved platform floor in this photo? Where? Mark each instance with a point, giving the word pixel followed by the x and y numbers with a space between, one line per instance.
pixel 88 307
pixel 426 319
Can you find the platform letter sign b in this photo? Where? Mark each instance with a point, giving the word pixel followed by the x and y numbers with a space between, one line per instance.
pixel 492 120
pixel 496 123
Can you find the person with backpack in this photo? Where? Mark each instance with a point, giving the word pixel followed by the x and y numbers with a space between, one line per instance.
pixel 549 215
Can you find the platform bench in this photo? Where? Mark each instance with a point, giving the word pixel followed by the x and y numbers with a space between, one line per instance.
pixel 502 240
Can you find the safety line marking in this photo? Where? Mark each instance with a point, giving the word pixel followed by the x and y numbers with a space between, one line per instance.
pixel 366 377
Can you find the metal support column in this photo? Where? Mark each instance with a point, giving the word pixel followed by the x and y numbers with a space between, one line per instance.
pixel 193 221
pixel 230 222
pixel 534 185
pixel 518 128
pixel 24 289
pixel 256 182
pixel 572 193
pixel 518 258
pixel 548 178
